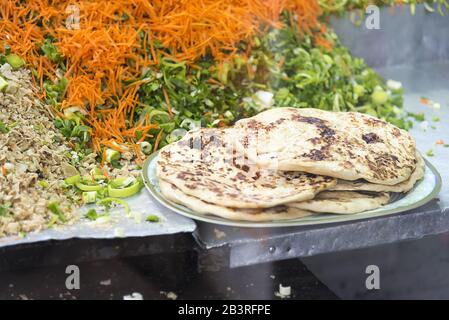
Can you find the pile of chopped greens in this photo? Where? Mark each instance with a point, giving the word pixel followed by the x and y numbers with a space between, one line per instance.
pixel 284 68
pixel 289 71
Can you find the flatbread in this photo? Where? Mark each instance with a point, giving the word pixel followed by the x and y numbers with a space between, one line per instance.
pixel 205 164
pixel 345 145
pixel 257 215
pixel 418 174
pixel 343 202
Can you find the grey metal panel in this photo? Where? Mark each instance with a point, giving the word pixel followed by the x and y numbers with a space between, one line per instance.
pixel 401 39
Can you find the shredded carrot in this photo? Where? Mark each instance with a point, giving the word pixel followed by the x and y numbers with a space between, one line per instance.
pixel 167 101
pixel 424 101
pixel 106 174
pixel 158 139
pixel 109 43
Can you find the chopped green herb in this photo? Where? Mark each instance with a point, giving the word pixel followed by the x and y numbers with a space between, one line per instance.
pixel 3 128
pixel 417 116
pixel 51 51
pixel 92 215
pixel 107 202
pixel 436 119
pixel 43 184
pixel 56 210
pixel 4 211
pixel 430 153
pixel 152 218
pixel 15 61
pixel 89 197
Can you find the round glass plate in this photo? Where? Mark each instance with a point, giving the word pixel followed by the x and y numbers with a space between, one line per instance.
pixel 424 191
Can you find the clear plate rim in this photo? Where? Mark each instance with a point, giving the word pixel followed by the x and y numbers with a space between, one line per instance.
pixel 330 219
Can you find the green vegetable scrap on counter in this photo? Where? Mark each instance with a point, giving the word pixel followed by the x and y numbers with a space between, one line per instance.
pixel 152 218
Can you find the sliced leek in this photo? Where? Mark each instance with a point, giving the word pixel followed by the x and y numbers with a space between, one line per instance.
pixel 124 187
pixel 89 197
pixel 73 180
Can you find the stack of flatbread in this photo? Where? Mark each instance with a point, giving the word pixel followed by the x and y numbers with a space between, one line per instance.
pixel 287 163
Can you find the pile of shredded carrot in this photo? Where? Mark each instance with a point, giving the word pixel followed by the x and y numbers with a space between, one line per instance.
pixel 116 40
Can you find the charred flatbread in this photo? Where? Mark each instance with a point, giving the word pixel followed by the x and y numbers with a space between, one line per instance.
pixel 256 215
pixel 205 164
pixel 344 202
pixel 345 145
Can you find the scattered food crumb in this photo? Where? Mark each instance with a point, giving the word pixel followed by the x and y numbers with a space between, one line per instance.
pixel 219 234
pixel 228 288
pixel 170 295
pixel 424 100
pixel 133 296
pixel 430 103
pixel 439 141
pixel 273 276
pixel 284 292
pixel 106 282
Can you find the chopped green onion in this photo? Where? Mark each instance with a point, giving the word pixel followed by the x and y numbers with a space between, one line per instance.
pixel 86 187
pixel 176 135
pixel 152 218
pixel 4 211
pixel 379 97
pixel 15 61
pixel 430 153
pixel 3 128
pixel 122 187
pixel 190 124
pixel 92 215
pixel 56 210
pixel 167 127
pixel 43 184
pixel 106 202
pixel 3 84
pixel 96 172
pixel 158 116
pixel 112 155
pixel 417 116
pixel 73 180
pixel 146 147
pixel 51 51
pixel 89 197
pixel 90 183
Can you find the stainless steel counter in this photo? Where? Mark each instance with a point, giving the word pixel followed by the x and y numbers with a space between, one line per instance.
pixel 413 50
